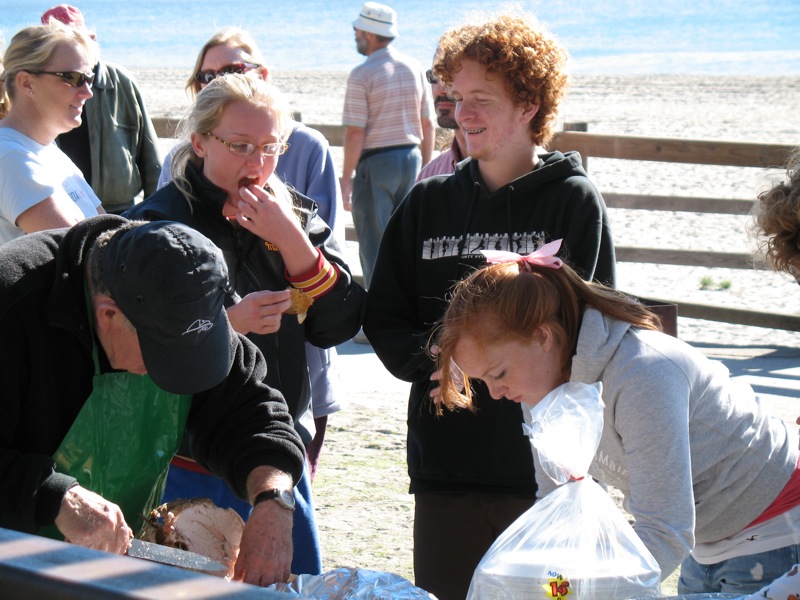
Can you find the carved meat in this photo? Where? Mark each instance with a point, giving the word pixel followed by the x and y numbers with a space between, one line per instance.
pixel 197 525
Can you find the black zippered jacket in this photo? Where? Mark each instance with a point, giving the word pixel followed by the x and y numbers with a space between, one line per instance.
pixel 334 317
pixel 433 240
pixel 46 376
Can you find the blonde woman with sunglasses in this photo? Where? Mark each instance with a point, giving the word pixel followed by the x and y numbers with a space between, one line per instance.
pixel 48 78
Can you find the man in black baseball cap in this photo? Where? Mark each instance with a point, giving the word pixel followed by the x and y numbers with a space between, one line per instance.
pixel 170 283
pixel 116 342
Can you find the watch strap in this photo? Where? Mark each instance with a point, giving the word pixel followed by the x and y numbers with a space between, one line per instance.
pixel 274 494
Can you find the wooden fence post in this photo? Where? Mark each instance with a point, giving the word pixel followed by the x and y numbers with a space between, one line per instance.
pixel 584 127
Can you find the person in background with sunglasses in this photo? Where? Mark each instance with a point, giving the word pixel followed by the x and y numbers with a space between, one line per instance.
pixel 445 107
pixel 115 146
pixel 48 78
pixel 273 241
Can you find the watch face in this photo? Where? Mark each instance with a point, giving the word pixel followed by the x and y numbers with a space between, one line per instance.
pixel 286 498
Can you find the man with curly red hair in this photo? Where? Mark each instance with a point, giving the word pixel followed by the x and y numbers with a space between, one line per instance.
pixel 472 472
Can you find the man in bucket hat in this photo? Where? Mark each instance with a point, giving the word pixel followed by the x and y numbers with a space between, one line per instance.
pixel 118 340
pixel 389 131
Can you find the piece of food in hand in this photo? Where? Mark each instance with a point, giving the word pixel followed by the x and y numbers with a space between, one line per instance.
pixel 197 525
pixel 300 304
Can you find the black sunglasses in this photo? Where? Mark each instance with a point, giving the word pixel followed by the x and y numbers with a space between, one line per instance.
pixel 232 69
pixel 73 78
pixel 431 77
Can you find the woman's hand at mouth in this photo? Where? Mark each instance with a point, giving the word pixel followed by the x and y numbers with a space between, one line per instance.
pixel 263 214
pixel 274 221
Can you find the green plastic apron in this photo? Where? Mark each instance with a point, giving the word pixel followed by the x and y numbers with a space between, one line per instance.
pixel 122 441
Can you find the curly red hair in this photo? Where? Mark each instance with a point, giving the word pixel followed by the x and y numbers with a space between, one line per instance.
pixel 530 60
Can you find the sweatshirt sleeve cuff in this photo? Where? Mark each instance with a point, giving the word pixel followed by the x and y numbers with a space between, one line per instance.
pixel 319 280
pixel 50 495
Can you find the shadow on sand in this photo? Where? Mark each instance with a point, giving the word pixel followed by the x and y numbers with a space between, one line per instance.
pixel 773 370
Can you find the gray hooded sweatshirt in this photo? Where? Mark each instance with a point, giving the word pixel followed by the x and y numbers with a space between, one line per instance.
pixel 695 454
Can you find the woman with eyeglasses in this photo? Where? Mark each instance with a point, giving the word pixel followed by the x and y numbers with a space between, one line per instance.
pixel 307 165
pixel 48 78
pixel 273 242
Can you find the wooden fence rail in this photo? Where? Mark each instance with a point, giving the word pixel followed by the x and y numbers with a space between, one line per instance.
pixel 701 152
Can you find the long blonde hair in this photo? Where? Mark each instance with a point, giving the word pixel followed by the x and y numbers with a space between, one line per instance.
pixel 206 112
pixel 32 48
pixel 507 302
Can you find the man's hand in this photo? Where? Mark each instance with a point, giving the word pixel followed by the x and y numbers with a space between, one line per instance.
pixel 259 312
pixel 265 553
pixel 346 187
pixel 88 519
pixel 353 147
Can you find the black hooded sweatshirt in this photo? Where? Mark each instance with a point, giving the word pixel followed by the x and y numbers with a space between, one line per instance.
pixel 432 241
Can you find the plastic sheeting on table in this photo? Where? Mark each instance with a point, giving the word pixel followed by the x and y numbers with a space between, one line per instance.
pixel 353 584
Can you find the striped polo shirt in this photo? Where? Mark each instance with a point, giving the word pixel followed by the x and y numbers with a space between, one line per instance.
pixel 388 96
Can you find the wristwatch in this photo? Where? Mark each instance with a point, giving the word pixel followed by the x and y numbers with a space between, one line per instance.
pixel 282 497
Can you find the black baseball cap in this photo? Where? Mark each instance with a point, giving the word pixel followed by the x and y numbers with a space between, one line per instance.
pixel 170 281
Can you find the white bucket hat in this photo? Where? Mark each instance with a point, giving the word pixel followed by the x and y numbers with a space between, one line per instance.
pixel 378 19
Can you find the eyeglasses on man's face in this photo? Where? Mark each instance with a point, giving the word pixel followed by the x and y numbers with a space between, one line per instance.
pixel 210 75
pixel 246 148
pixel 73 78
pixel 431 77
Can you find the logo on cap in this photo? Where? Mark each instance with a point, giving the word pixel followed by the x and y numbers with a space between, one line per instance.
pixel 199 326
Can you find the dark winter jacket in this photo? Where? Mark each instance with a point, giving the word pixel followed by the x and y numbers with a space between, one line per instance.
pixel 432 241
pixel 252 266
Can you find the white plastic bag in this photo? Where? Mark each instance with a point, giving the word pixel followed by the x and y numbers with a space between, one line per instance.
pixel 574 543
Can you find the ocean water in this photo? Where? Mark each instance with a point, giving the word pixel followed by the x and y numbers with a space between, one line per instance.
pixel 628 37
